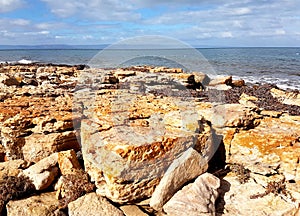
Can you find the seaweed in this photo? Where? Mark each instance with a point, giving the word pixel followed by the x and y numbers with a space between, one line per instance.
pixel 242 173
pixel 13 187
pixel 273 187
pixel 75 185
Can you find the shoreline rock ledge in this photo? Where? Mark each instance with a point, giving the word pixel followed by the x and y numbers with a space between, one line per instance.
pixel 145 140
pixel 131 137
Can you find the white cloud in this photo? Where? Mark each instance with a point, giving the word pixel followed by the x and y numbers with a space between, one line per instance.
pixel 226 35
pixel 95 9
pixel 20 22
pixel 10 5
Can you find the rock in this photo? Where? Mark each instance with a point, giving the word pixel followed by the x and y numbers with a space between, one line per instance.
pixel 166 70
pixel 11 168
pixel 227 80
pixel 67 161
pixel 234 115
pixel 190 165
pixel 196 198
pixel 271 144
pixel 132 210
pixel 290 98
pixel 43 172
pixel 9 80
pixel 201 78
pixel 93 205
pixel 238 199
pixel 237 83
pixel 219 87
pixel 247 100
pixel 128 153
pixel 43 204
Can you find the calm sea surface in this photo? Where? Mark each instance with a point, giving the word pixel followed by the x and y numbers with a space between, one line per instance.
pixel 273 65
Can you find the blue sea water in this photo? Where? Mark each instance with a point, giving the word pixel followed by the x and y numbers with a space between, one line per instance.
pixel 280 66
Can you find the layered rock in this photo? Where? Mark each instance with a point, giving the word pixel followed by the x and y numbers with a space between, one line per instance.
pixel 146 132
pixel 130 138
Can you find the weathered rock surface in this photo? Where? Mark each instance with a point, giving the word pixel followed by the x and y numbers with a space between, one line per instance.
pixel 133 137
pixel 190 165
pixel 43 204
pixel 93 205
pixel 11 168
pixel 43 172
pixel 238 200
pixel 132 210
pixel 197 198
pixel 137 122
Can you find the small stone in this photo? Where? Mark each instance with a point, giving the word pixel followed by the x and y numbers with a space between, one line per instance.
pixel 132 210
pixel 43 172
pixel 43 204
pixel 67 161
pixel 197 198
pixel 238 83
pixel 93 205
pixel 11 168
pixel 221 80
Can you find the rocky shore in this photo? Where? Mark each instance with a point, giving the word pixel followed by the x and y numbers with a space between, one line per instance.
pixel 145 141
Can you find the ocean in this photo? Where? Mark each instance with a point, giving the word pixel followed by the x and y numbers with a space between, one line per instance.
pixel 280 66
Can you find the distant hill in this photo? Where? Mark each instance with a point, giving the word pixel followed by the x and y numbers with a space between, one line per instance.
pixel 55 46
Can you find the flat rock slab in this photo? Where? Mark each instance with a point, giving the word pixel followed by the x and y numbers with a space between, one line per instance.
pixel 196 198
pixel 190 165
pixel 43 204
pixel 93 205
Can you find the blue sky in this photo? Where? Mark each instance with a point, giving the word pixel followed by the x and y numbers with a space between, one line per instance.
pixel 197 22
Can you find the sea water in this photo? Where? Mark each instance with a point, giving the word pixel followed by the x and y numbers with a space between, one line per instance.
pixel 280 66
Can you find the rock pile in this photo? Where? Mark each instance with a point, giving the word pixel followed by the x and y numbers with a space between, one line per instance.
pixel 145 141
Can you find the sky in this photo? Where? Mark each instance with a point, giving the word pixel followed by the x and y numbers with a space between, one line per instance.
pixel 196 22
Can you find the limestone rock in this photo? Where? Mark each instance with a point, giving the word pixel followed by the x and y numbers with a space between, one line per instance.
pixel 9 80
pixel 238 83
pixel 43 204
pixel 234 115
pixel 196 198
pixel 11 168
pixel 43 172
pixel 187 167
pixel 132 210
pixel 237 199
pixel 67 161
pixel 272 144
pixel 201 78
pixel 227 80
pixel 93 205
pixel 130 142
pixel 289 98
pixel 219 87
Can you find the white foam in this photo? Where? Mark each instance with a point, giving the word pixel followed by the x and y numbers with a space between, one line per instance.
pixel 24 61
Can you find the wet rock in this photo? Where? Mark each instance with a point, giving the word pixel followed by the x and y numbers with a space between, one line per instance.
pixel 196 198
pixel 43 204
pixel 93 205
pixel 190 165
pixel 237 83
pixel 43 172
